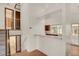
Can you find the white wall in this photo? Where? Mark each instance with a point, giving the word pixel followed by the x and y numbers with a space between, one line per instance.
pixel 2 17
pixel 61 15
pixel 51 46
pixel 28 41
pixel 30 18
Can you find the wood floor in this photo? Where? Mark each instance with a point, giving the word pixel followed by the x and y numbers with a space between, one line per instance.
pixel 32 53
pixel 73 50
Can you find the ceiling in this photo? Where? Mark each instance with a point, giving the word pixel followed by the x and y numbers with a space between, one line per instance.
pixel 40 9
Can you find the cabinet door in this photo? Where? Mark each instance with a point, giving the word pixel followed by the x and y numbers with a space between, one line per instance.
pixel 17 20
pixel 12 45
pixel 9 18
pixel 18 43
pixel 2 42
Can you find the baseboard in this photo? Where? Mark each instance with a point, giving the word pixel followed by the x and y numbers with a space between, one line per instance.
pixel 42 52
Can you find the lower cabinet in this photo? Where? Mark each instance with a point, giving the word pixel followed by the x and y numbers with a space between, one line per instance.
pixel 14 44
pixel 9 44
pixel 3 43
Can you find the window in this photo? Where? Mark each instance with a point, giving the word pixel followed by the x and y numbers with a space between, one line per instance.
pixel 9 17
pixel 54 30
pixel 75 29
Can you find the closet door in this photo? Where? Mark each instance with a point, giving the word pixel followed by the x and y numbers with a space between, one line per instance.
pixel 2 42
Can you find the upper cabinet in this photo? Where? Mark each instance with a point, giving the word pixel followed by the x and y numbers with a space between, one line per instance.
pixel 12 16
pixel 12 19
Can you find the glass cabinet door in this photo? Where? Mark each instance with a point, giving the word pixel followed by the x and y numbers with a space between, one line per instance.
pixel 9 18
pixel 17 20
